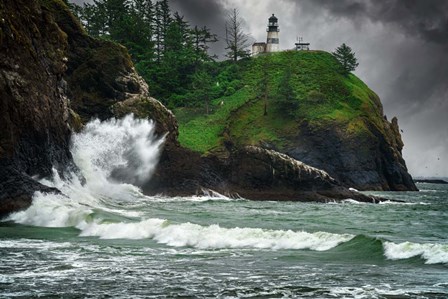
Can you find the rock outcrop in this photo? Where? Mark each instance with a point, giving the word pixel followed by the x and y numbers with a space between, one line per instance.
pixel 265 174
pixel 250 172
pixel 34 134
pixel 369 161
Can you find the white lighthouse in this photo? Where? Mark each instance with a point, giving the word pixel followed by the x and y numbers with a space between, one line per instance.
pixel 272 44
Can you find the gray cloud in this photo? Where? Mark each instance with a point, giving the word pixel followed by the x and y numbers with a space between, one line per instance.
pixel 200 12
pixel 427 19
pixel 411 75
pixel 204 13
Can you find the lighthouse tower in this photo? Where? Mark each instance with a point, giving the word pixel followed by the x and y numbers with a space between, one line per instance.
pixel 272 44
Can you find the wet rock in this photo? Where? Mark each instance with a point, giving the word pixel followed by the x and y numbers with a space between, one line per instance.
pixel 35 132
pixel 250 172
pixel 369 161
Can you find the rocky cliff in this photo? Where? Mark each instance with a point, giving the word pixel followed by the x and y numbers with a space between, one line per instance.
pixel 369 161
pixel 101 79
pixel 34 134
pixel 46 59
pixel 249 172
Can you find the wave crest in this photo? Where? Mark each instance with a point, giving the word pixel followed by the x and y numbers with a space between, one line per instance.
pixel 432 253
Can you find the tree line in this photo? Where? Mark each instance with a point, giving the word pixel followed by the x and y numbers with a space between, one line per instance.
pixel 170 54
pixel 174 57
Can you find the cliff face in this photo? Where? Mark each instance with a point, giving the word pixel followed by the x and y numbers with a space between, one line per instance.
pixel 101 79
pixel 368 161
pixel 249 172
pixel 34 133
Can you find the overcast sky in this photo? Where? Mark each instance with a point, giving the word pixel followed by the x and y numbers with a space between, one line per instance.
pixel 402 47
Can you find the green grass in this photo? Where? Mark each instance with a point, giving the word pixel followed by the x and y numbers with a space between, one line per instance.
pixel 203 132
pixel 325 98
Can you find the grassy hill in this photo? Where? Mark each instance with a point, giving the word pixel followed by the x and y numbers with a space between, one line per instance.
pixel 325 98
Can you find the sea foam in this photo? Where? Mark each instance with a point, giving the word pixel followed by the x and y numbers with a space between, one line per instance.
pixel 431 253
pixel 58 211
pixel 214 236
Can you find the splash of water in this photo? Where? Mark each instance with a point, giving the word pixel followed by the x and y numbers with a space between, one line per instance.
pixel 126 145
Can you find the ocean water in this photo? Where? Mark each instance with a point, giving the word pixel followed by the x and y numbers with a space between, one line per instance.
pixel 105 239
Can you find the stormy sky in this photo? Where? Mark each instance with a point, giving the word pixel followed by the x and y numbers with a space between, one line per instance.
pixel 402 47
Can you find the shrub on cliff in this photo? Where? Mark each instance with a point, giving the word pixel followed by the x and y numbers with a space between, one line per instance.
pixel 346 58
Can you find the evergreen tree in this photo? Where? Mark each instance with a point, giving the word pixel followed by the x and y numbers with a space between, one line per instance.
pixel 118 19
pixel 177 63
pixel 263 86
pixel 203 87
pixel 236 39
pixel 145 11
pixel 286 98
pixel 92 17
pixel 162 20
pixel 166 51
pixel 144 15
pixel 201 38
pixel 346 58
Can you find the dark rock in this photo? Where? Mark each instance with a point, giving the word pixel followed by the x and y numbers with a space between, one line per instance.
pixel 266 175
pixel 35 133
pixel 17 188
pixel 102 81
pixel 251 172
pixel 369 161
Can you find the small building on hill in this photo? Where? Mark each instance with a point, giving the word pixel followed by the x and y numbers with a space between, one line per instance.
pixel 258 48
pixel 272 43
pixel 301 46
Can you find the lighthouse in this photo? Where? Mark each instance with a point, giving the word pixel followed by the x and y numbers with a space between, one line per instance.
pixel 272 44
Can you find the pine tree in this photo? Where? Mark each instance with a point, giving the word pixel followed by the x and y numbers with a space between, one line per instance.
pixel 118 20
pixel 346 58
pixel 236 39
pixel 201 37
pixel 162 21
pixel 203 85
pixel 263 86
pixel 177 63
pixel 166 51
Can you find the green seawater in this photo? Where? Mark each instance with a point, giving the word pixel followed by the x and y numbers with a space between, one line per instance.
pixel 211 246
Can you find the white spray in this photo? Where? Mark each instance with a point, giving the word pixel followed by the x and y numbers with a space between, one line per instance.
pixel 126 144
